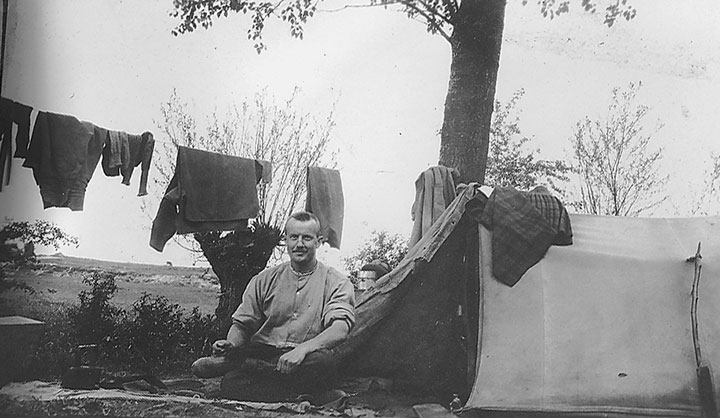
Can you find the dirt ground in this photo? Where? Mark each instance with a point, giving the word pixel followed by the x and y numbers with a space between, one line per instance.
pixel 58 280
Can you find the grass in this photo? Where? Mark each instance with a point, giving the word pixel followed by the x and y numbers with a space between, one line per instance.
pixel 58 281
pixel 137 327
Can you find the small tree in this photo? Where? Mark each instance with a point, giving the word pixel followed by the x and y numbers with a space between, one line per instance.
pixel 509 161
pixel 618 171
pixel 258 129
pixel 383 246
pixel 39 232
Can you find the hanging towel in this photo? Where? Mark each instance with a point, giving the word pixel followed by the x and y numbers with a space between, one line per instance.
pixel 325 200
pixel 434 190
pixel 209 192
pixel 523 225
pixel 112 154
pixel 63 154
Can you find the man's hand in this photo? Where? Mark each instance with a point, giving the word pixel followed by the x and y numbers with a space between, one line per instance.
pixel 288 362
pixel 221 348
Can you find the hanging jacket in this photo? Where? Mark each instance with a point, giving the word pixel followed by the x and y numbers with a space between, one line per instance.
pixel 123 152
pixel 63 154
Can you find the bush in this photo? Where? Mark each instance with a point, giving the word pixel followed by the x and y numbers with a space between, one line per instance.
pixel 58 345
pixel 154 336
pixel 96 318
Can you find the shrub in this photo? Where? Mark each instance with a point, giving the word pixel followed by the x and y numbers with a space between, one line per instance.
pixel 57 347
pixel 154 336
pixel 95 318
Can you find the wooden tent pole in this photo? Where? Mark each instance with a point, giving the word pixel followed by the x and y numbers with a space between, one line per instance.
pixel 706 388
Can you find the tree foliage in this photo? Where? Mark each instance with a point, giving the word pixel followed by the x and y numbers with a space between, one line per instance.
pixel 29 234
pixel 473 29
pixel 618 169
pixel 510 163
pixel 39 232
pixel 382 246
pixel 438 16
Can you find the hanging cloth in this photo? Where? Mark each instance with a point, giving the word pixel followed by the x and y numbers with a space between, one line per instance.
pixel 63 154
pixel 123 152
pixel 325 200
pixel 434 190
pixel 208 192
pixel 19 114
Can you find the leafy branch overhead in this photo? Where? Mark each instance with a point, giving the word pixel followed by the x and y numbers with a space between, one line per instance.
pixel 439 16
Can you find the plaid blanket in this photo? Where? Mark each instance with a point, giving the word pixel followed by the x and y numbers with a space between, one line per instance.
pixel 524 225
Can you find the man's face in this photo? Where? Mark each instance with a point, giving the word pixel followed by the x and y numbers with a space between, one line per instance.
pixel 302 240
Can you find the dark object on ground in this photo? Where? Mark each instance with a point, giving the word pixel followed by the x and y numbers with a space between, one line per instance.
pixel 20 336
pixel 81 377
pixel 119 382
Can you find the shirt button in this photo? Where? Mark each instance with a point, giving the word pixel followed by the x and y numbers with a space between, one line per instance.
pixel 294 315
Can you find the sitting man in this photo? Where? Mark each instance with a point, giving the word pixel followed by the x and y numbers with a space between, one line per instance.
pixel 289 318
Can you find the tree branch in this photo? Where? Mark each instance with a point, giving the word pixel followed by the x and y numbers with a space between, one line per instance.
pixel 429 17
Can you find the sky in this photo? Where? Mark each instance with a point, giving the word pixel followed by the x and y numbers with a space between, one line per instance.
pixel 114 63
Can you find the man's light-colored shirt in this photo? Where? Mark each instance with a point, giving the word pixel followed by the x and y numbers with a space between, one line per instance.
pixel 284 310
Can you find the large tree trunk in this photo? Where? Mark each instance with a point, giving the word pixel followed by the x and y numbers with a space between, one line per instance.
pixel 235 258
pixel 475 44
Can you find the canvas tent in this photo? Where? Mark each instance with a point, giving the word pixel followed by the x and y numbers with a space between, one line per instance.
pixel 599 328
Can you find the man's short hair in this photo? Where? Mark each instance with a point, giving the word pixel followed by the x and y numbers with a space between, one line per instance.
pixel 304 216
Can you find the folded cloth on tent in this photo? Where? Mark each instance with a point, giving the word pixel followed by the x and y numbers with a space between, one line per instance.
pixel 524 226
pixel 63 154
pixel 434 190
pixel 325 200
pixel 209 192
pixel 554 212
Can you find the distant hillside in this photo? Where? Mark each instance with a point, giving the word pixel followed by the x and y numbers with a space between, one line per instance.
pixel 61 260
